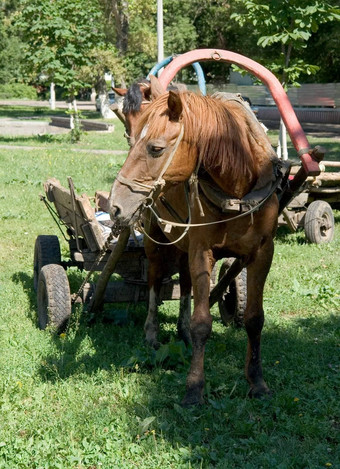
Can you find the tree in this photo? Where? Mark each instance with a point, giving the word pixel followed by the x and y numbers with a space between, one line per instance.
pixel 285 26
pixel 59 36
pixel 130 26
pixel 323 47
pixel 10 45
pixel 103 60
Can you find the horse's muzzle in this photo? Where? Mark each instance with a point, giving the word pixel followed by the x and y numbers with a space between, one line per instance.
pixel 115 211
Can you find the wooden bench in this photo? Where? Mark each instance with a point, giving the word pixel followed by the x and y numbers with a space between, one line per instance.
pixel 85 124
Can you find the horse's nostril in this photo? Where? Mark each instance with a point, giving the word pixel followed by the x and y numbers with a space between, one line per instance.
pixel 115 211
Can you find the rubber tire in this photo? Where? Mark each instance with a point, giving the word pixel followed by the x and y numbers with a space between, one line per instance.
pixel 54 297
pixel 319 222
pixel 46 251
pixel 233 302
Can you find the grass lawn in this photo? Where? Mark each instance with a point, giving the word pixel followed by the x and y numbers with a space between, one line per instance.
pixel 39 112
pixel 72 401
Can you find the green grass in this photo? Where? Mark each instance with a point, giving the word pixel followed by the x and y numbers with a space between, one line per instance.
pixel 88 141
pixel 68 401
pixel 39 112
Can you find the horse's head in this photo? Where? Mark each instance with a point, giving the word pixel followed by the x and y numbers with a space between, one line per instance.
pixel 160 156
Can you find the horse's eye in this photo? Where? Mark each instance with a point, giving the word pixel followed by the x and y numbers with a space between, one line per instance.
pixel 155 150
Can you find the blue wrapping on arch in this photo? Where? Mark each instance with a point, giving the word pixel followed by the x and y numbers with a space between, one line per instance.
pixel 197 68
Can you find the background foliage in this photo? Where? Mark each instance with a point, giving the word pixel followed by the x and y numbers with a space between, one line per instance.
pixel 63 40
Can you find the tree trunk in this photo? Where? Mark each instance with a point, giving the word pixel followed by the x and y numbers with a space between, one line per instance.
pixel 120 12
pixel 52 96
pixel 105 110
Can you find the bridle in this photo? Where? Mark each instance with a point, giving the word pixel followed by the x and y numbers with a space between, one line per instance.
pixel 159 183
pixel 154 189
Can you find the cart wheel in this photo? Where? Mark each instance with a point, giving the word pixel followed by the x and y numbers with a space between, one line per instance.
pixel 319 222
pixel 46 251
pixel 54 297
pixel 234 300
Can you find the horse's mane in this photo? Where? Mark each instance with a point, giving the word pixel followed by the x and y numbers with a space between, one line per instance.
pixel 225 133
pixel 133 98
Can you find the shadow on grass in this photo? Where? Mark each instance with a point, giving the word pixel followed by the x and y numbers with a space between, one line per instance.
pixel 284 235
pixel 27 284
pixel 299 366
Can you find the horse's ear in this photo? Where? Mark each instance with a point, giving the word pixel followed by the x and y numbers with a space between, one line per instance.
pixel 120 91
pixel 156 88
pixel 175 106
pixel 146 93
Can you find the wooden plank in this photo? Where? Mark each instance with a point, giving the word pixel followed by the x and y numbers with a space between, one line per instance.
pixel 80 218
pixel 331 164
pixel 124 292
pixel 85 124
pixel 327 180
pixel 62 200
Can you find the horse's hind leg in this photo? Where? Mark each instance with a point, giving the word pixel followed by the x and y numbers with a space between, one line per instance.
pixel 257 273
pixel 183 324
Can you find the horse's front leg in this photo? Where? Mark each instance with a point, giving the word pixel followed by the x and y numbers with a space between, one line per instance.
pixel 257 273
pixel 200 324
pixel 183 324
pixel 151 326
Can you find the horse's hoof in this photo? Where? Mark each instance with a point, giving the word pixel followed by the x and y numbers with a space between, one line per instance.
pixel 187 402
pixel 153 343
pixel 260 392
pixel 193 397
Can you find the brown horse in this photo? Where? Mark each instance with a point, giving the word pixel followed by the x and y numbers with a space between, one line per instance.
pixel 182 138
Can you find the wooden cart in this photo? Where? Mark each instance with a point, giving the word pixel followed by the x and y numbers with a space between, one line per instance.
pixel 311 209
pixel 89 250
pixel 90 247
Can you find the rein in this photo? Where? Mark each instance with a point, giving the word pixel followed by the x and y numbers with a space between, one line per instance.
pixel 169 224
